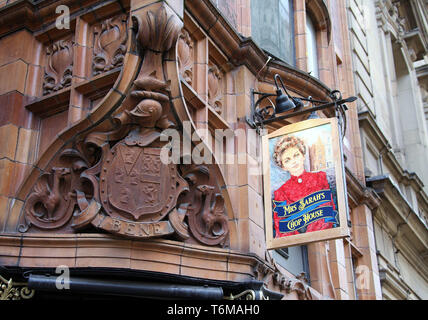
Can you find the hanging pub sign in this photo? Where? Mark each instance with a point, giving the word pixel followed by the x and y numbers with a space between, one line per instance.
pixel 304 184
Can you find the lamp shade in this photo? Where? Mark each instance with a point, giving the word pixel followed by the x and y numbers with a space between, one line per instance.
pixel 283 103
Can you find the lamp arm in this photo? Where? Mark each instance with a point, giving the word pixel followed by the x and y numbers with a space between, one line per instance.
pixel 277 76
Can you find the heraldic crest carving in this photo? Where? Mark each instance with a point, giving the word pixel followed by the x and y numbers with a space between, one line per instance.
pixel 112 177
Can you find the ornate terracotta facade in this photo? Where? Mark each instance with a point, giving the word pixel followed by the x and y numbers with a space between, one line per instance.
pixel 85 119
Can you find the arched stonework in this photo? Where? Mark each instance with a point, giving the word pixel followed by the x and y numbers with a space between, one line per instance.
pixel 320 16
pixel 106 173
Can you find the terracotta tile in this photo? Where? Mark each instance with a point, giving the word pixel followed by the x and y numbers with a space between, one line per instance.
pixel 361 237
pixel 155 256
pixel 128 74
pixel 26 149
pixel 82 61
pixel 107 104
pixel 254 174
pixel 10 251
pixel 243 105
pixel 47 250
pixel 233 193
pixel 98 251
pixel 49 129
pixel 34 82
pixel 8 140
pixel 231 276
pixel 242 269
pixel 20 172
pixel 103 257
pixel 12 110
pixel 49 154
pixel 203 273
pixel 76 99
pixel 46 262
pixel 74 115
pixel 19 45
pixel 208 264
pixel 17 82
pixel 107 10
pixel 155 266
pixel 69 133
pixel 14 215
pixel 6 173
pixel 28 183
pixel 4 211
pixel 257 239
pixel 256 208
pixel 82 34
pixel 243 231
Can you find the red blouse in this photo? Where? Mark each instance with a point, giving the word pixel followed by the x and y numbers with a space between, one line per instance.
pixel 295 189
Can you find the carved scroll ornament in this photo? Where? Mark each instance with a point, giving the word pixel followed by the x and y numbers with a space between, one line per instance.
pixel 115 180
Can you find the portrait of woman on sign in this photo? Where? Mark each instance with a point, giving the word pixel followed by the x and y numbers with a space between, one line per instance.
pixel 302 184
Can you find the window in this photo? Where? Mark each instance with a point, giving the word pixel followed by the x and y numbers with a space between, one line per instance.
pixel 272 27
pixel 311 47
pixel 294 259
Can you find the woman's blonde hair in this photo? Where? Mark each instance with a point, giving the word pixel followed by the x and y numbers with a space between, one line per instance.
pixel 285 143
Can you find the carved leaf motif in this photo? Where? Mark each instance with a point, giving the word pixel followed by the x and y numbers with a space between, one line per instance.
pixel 185 56
pixel 58 72
pixel 157 30
pixel 110 44
pixel 215 93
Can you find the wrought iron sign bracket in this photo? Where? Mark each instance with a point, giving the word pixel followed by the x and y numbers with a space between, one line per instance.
pixel 260 117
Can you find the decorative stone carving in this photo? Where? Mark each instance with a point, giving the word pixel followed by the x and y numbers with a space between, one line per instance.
pixel 185 56
pixel 300 286
pixel 110 44
pixel 115 179
pixel 48 205
pixel 205 210
pixel 58 72
pixel 271 272
pixel 215 93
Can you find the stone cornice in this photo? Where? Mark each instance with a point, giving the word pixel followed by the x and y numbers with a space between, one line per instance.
pixel 359 194
pixel 26 251
pixel 388 18
pixel 402 211
pixel 369 126
pixel 408 231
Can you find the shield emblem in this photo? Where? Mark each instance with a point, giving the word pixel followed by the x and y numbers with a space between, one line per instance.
pixel 135 183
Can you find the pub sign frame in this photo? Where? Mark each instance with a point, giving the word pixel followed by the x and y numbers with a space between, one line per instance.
pixel 306 202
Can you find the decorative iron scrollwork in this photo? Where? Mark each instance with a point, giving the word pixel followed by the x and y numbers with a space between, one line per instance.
pixel 10 290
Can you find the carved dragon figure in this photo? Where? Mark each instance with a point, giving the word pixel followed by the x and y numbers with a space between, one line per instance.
pixel 48 195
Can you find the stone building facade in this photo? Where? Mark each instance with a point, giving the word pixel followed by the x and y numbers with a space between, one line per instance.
pixel 85 109
pixel 389 52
